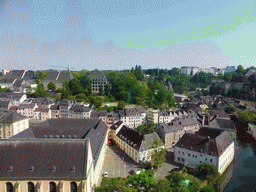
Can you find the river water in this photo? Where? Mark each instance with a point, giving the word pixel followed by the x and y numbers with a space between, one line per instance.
pixel 241 175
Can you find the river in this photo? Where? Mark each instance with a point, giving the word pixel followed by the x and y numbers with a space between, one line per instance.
pixel 242 175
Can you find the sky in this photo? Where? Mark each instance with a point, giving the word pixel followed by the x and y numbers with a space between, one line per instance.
pixel 119 34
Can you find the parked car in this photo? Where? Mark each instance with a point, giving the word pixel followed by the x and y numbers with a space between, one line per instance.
pixel 106 174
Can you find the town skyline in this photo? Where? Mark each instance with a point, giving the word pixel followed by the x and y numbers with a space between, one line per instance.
pixel 95 35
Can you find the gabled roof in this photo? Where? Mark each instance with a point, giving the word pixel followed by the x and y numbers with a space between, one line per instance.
pixel 11 95
pixel 12 117
pixel 55 107
pixel 51 75
pixel 80 108
pixel 93 129
pixel 65 76
pixel 116 125
pixel 149 139
pixel 30 75
pixel 43 158
pixel 27 106
pixel 93 75
pixel 135 137
pixel 207 140
pixel 224 123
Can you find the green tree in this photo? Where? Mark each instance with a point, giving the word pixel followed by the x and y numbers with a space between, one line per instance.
pixel 247 116
pixel 144 179
pixel 40 75
pixel 96 101
pixel 158 154
pixel 121 104
pixel 85 83
pixel 227 76
pixel 74 86
pixel 207 188
pixel 40 92
pixel 208 171
pixel 29 90
pixel 163 185
pixel 51 86
pixel 176 179
pixel 150 128
pixel 101 91
pixel 107 90
pixel 80 97
pixel 240 70
pixel 193 186
pixel 229 108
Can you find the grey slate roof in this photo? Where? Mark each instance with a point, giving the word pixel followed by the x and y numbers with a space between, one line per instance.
pixel 55 107
pixel 93 129
pixel 4 104
pixel 80 108
pixel 97 75
pixel 217 142
pixel 43 159
pixel 10 96
pixel 132 111
pixel 30 75
pixel 224 123
pixel 135 137
pixel 116 125
pixel 25 106
pixel 65 76
pixel 12 117
pixel 52 75
pixel 149 139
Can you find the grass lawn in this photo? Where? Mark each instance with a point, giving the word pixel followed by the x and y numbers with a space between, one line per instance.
pixel 192 178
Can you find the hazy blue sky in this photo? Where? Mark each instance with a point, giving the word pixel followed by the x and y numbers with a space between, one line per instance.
pixel 119 34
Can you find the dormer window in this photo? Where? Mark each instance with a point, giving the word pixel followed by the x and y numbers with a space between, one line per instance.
pixel 73 169
pixel 53 169
pixel 10 169
pixel 69 137
pixel 45 136
pixel 57 136
pixel 74 137
pixel 31 169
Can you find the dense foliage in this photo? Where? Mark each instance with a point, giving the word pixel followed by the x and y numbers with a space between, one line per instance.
pixel 158 155
pixel 150 128
pixel 128 88
pixel 247 116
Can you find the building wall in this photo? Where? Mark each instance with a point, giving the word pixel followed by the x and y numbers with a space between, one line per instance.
pixel 133 153
pixel 98 165
pixel 43 185
pixel 226 158
pixel 20 126
pixel 153 116
pixel 192 158
pixel 134 121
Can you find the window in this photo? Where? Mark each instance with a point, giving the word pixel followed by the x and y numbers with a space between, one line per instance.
pixel 201 155
pixel 31 187
pixel 210 160
pixel 195 156
pixel 52 187
pixel 9 187
pixel 73 187
pixel 182 153
pixel 205 159
pixel 179 152
pixel 189 154
pixel 182 160
pixel 178 158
